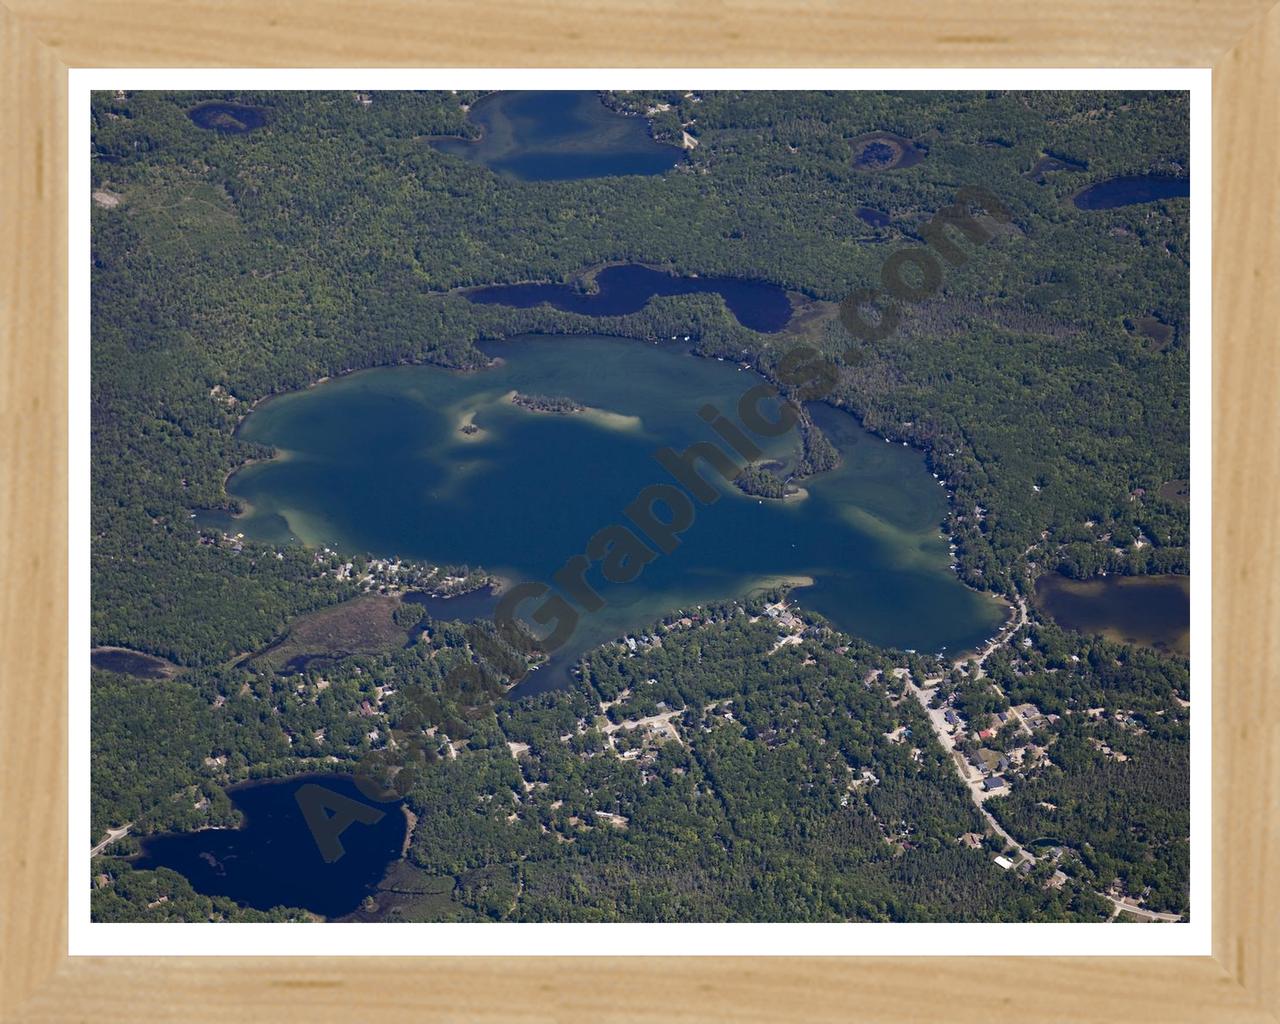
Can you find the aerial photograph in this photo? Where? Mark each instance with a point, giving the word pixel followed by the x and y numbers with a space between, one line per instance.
pixel 640 506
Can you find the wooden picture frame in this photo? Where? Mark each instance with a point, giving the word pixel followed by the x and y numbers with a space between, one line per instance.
pixel 41 39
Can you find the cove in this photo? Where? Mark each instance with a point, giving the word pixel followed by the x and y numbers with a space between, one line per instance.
pixel 379 462
pixel 273 860
pixel 468 607
pixel 620 290
pixel 559 136
pixel 1115 192
pixel 1154 611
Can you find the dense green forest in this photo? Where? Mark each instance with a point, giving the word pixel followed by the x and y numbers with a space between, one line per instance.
pixel 231 267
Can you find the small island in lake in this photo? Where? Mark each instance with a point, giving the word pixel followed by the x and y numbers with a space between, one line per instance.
pixel 468 427
pixel 557 404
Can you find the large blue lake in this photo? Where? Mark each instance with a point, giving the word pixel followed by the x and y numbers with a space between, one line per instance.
pixel 443 466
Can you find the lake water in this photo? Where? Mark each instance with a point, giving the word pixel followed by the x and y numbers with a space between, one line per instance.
pixel 468 607
pixel 1107 195
pixel 228 118
pixel 558 136
pixel 1154 611
pixel 377 463
pixel 274 860
pixel 626 289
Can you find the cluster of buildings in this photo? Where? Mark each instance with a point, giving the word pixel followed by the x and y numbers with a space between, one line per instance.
pixel 991 764
pixel 635 644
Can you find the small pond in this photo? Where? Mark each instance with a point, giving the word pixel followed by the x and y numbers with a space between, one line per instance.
pixel 559 136
pixel 1153 611
pixel 1127 191
pixel 885 151
pixel 620 290
pixel 228 118
pixel 274 860
pixel 131 663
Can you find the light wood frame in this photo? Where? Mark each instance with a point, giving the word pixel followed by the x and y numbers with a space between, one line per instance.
pixel 41 39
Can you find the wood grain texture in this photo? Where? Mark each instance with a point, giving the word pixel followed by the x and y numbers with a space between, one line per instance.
pixel 656 33
pixel 1246 553
pixel 40 38
pixel 33 511
pixel 657 990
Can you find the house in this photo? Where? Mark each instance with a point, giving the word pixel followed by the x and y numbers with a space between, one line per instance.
pixel 971 840
pixel 986 734
pixel 992 783
pixel 1004 862
pixel 951 718
pixel 1056 881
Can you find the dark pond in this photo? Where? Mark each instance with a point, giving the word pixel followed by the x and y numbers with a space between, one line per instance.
pixel 1154 611
pixel 1048 164
pixel 1107 195
pixel 1151 327
pixel 274 859
pixel 876 218
pixel 626 289
pixel 558 136
pixel 885 151
pixel 228 118
pixel 131 663
pixel 300 663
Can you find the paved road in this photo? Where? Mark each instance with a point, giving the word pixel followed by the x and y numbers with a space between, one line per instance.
pixel 112 835
pixel 1130 908
pixel 971 776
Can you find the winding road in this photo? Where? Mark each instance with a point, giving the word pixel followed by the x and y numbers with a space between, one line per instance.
pixel 973 779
